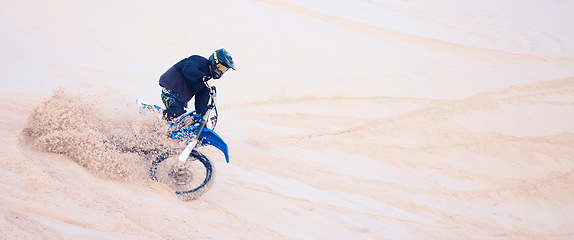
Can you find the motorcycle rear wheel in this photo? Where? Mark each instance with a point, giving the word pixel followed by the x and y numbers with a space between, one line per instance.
pixel 189 183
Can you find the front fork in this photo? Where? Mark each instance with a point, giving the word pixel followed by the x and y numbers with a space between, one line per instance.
pixel 182 159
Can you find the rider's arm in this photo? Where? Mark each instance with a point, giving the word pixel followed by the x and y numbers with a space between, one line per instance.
pixel 192 73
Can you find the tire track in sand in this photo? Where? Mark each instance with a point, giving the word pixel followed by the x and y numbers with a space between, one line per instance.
pixel 484 54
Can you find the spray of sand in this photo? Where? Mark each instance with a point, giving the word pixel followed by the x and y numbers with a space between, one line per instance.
pixel 105 135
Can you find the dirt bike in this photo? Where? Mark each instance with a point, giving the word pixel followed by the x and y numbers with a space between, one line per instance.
pixel 189 174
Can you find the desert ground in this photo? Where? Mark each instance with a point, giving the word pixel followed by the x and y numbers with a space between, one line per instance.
pixel 346 119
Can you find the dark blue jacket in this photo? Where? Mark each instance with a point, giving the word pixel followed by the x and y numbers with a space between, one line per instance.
pixel 185 79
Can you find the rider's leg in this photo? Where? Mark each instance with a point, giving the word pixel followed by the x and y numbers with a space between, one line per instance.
pixel 201 101
pixel 174 106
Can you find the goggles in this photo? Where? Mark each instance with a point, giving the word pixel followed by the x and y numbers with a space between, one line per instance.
pixel 222 68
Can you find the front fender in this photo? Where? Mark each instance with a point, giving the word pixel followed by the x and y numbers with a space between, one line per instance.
pixel 208 136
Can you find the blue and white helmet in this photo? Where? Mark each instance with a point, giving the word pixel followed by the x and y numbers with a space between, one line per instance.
pixel 220 62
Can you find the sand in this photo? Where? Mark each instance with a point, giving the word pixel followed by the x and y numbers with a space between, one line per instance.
pixel 345 119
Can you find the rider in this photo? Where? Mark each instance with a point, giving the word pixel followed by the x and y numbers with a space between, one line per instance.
pixel 188 78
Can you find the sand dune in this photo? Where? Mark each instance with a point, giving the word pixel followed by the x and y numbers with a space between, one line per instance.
pixel 345 120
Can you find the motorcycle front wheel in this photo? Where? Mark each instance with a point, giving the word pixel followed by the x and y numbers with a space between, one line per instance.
pixel 188 183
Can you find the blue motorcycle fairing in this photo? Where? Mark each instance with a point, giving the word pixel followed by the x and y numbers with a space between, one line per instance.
pixel 208 136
